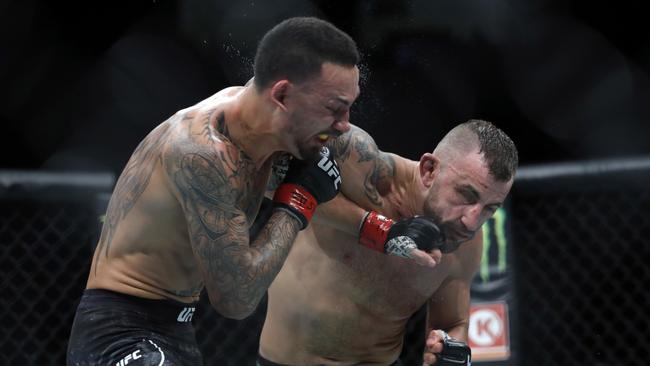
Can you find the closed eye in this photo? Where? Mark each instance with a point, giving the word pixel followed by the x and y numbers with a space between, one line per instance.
pixel 468 193
pixel 334 111
pixel 492 208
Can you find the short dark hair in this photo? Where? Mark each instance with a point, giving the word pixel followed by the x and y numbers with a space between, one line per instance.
pixel 499 152
pixel 296 48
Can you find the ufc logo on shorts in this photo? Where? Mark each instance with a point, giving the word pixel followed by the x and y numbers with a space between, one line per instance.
pixel 328 166
pixel 186 315
pixel 131 356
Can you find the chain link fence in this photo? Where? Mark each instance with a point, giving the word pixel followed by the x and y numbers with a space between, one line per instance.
pixel 580 242
pixel 48 226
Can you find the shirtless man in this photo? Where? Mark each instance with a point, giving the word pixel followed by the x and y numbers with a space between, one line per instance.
pixel 339 303
pixel 179 217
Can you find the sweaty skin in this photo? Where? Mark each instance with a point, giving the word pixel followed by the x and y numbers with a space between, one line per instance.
pixel 178 220
pixel 337 303
pixel 182 208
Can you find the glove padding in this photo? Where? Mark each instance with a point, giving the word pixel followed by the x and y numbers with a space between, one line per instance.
pixel 454 353
pixel 402 237
pixel 308 184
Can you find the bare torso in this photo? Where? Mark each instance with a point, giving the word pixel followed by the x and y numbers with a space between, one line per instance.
pixel 337 303
pixel 144 249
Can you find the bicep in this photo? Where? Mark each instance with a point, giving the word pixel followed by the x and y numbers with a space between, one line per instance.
pixel 366 171
pixel 363 166
pixel 449 306
pixel 203 185
pixel 340 213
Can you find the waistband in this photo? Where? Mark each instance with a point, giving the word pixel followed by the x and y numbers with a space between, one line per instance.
pixel 163 309
pixel 261 361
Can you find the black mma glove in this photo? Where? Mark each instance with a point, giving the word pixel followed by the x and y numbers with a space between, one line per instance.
pixel 400 238
pixel 307 184
pixel 454 353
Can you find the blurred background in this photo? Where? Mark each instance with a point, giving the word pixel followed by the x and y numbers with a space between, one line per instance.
pixel 83 82
pixel 568 80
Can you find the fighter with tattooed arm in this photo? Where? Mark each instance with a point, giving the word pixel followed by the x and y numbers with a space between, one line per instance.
pixel 178 220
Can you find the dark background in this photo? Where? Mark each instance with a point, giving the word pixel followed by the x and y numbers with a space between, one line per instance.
pixel 82 83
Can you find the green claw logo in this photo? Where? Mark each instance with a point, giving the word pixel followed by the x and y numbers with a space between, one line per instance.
pixel 496 223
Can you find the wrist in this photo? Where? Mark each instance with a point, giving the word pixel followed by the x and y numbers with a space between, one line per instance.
pixel 302 223
pixel 444 335
pixel 297 201
pixel 373 231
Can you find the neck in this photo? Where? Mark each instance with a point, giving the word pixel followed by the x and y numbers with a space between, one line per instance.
pixel 251 128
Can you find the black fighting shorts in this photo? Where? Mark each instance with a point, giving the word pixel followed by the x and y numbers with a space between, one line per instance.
pixel 261 361
pixel 115 329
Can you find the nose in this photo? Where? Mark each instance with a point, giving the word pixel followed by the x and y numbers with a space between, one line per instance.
pixel 343 124
pixel 472 218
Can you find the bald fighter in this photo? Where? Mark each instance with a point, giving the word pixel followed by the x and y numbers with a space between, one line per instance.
pixel 339 300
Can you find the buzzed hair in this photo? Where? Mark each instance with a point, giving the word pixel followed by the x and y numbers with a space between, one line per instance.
pixel 499 152
pixel 296 49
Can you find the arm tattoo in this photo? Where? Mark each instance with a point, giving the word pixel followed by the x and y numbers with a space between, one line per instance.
pixel 340 146
pixel 132 182
pixel 278 172
pixel 217 189
pixel 359 140
pixel 264 260
pixel 207 194
pixel 222 127
pixel 377 180
pixel 367 150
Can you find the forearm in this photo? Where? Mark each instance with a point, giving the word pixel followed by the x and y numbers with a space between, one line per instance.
pixel 342 214
pixel 243 273
pixel 448 309
pixel 211 181
pixel 459 332
pixel 364 169
pixel 271 247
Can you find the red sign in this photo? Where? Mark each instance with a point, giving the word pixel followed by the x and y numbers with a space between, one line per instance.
pixel 488 331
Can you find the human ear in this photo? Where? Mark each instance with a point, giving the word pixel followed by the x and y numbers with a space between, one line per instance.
pixel 279 92
pixel 428 167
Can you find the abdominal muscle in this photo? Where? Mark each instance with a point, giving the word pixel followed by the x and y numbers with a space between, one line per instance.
pixel 337 303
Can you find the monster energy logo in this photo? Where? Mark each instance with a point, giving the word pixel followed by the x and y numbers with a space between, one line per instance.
pixel 497 224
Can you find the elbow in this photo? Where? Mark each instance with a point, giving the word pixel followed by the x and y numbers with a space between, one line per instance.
pixel 232 309
pixel 234 314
